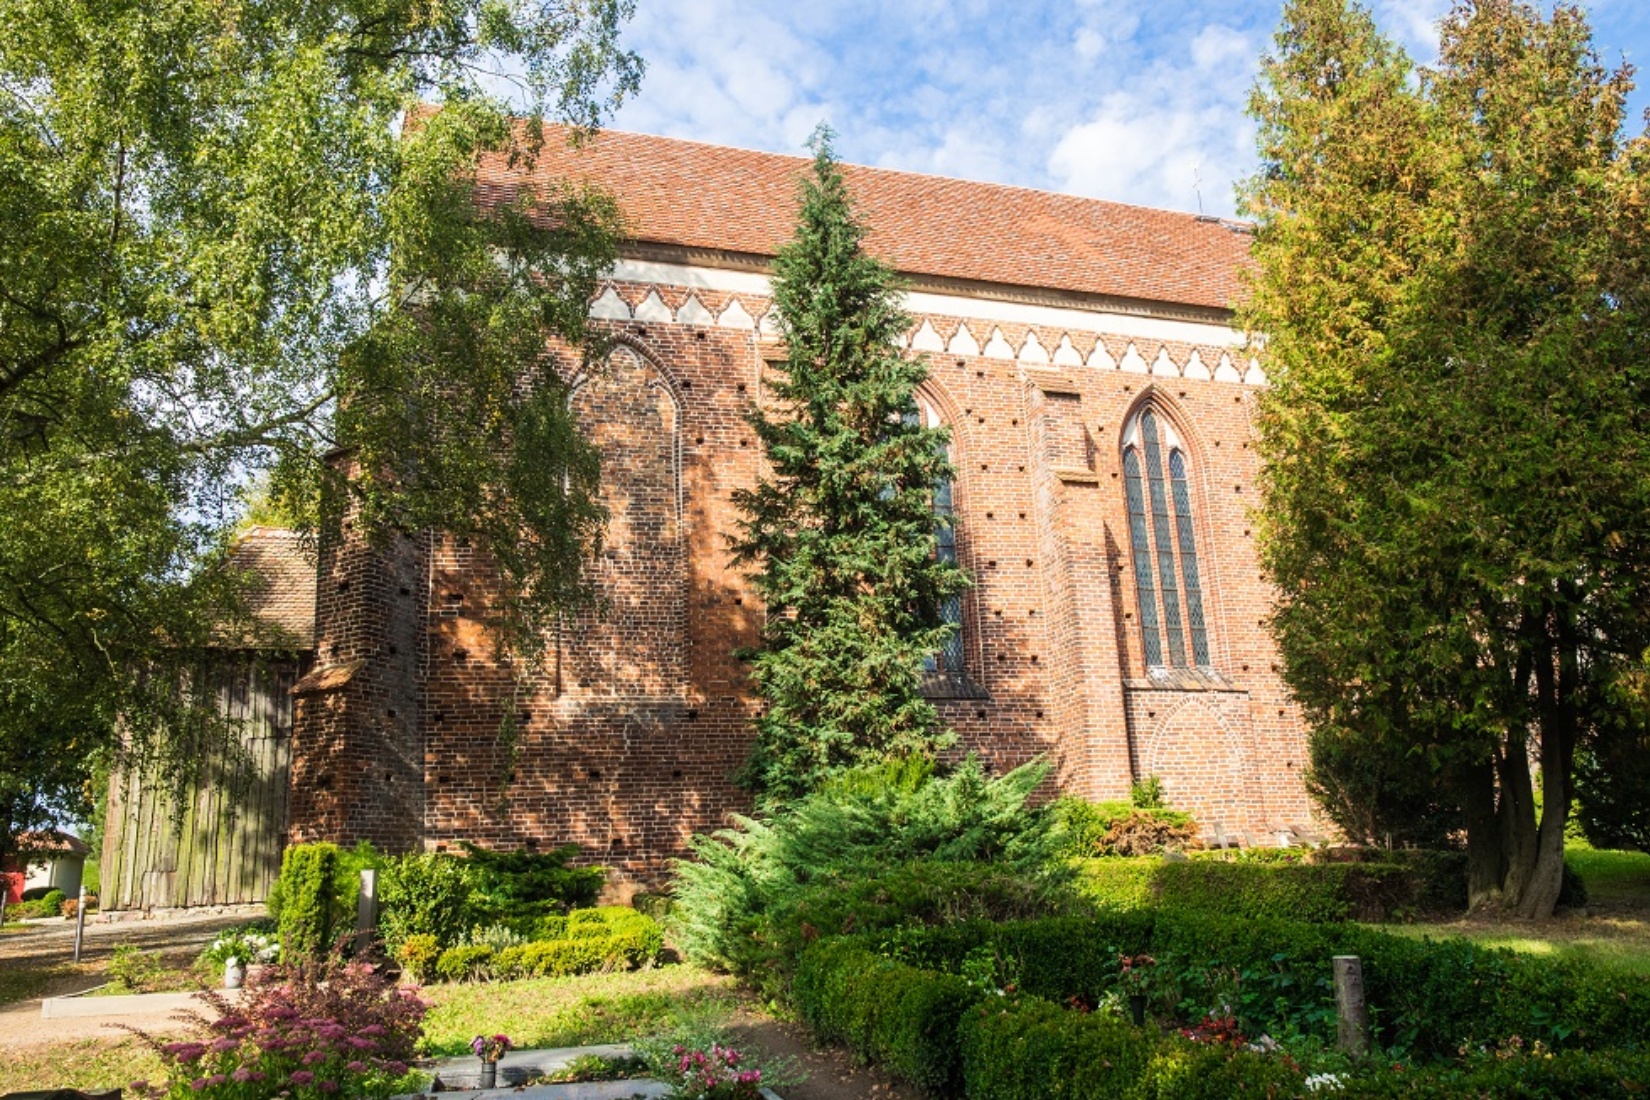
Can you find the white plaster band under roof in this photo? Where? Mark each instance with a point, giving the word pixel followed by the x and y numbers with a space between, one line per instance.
pixel 1058 318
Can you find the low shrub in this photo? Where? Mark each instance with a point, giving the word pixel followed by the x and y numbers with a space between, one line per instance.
pixel 900 1016
pixel 1319 892
pixel 1140 827
pixel 418 955
pixel 451 896
pixel 859 825
pixel 133 970
pixel 317 1029
pixel 609 938
pixel 467 963
pixel 1032 1049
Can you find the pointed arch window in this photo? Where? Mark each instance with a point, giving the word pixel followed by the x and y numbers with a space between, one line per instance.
pixel 1163 543
pixel 948 660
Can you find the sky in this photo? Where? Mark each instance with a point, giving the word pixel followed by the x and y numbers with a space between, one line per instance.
pixel 1138 101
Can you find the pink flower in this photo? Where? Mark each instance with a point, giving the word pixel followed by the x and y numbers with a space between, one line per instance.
pixel 184 1052
pixel 396 1068
pixel 361 1044
pixel 373 1029
pixel 315 1057
pixel 216 1079
pixel 301 1077
pixel 328 1086
pixel 242 1074
pixel 198 1084
pixel 356 1066
pixel 224 1046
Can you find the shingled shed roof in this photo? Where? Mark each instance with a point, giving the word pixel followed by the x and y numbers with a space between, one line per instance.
pixel 694 195
pixel 281 586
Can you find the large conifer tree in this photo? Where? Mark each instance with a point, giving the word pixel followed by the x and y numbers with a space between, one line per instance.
pixel 1453 276
pixel 840 533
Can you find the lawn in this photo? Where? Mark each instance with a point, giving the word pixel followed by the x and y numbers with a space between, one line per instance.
pixel 562 1012
pixel 87 1064
pixel 1614 931
pixel 534 1012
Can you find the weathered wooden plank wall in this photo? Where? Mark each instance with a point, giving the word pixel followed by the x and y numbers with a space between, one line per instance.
pixel 225 847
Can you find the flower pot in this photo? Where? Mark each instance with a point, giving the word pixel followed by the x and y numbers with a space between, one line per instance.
pixel 233 974
pixel 489 1075
pixel 1137 1008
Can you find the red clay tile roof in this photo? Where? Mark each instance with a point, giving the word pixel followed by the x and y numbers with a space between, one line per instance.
pixel 282 592
pixel 710 196
pixel 51 843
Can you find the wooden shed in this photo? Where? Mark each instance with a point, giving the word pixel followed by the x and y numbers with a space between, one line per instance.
pixel 224 847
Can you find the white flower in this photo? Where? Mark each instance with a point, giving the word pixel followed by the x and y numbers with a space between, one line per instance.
pixel 1324 1082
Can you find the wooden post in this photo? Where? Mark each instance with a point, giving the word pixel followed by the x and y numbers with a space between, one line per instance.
pixel 1351 1013
pixel 366 911
pixel 79 923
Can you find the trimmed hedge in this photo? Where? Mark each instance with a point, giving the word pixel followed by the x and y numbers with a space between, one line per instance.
pixel 885 1011
pixel 952 1039
pixel 1429 997
pixel 1311 892
pixel 608 938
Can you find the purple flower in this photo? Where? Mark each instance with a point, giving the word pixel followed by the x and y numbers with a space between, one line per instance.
pixel 216 1079
pixel 184 1052
pixel 198 1084
pixel 367 1044
pixel 356 1066
pixel 301 1077
pixel 224 1046
pixel 242 1074
pixel 328 1086
pixel 315 1057
pixel 396 1068
pixel 373 1029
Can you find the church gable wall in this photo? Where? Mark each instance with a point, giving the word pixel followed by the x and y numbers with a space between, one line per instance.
pixel 626 740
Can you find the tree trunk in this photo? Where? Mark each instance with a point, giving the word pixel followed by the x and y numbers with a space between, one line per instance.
pixel 1556 688
pixel 1517 817
pixel 1486 851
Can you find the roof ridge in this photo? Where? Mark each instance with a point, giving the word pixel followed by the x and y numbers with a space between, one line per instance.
pixel 908 172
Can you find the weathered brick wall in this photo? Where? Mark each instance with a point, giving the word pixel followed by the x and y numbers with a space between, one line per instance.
pixel 357 767
pixel 626 739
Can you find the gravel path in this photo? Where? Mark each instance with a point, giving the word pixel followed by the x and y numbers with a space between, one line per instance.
pixel 178 940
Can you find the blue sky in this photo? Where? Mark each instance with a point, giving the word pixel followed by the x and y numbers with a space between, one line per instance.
pixel 1120 99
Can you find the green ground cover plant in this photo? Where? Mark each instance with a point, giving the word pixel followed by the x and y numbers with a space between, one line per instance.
pixel 585 940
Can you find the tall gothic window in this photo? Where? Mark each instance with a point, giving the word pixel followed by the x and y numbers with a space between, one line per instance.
pixel 949 659
pixel 1163 541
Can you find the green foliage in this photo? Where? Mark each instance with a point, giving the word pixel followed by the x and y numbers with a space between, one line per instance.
pixel 311 915
pixel 863 822
pixel 520 887
pixel 585 940
pixel 1381 792
pixel 1132 828
pixel 419 953
pixel 468 963
pixel 425 894
pixel 450 896
pixel 885 1011
pixel 1030 1049
pixel 1451 273
pixel 1612 780
pixel 133 970
pixel 1413 883
pixel 51 902
pixel 213 221
pixel 839 533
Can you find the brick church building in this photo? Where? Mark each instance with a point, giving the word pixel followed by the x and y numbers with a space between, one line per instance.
pixel 1100 407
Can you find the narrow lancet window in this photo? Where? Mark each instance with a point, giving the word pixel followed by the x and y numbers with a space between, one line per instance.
pixel 1162 537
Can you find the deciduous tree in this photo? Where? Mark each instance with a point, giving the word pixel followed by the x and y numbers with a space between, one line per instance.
pixel 214 218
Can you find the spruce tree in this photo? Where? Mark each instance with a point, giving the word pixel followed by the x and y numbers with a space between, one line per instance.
pixel 839 536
